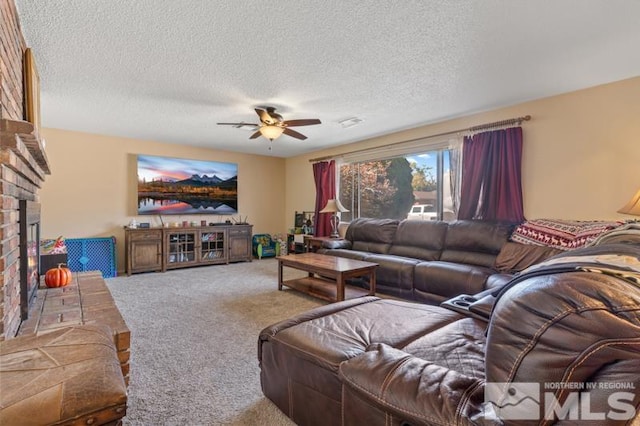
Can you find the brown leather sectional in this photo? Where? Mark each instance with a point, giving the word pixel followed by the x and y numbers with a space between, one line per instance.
pixel 567 328
pixel 426 261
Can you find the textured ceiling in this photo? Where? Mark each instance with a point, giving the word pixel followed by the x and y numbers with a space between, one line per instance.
pixel 169 70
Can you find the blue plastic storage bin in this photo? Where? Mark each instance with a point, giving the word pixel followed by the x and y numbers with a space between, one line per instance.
pixel 92 254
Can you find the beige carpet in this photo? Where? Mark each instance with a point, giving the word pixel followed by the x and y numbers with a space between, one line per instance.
pixel 194 336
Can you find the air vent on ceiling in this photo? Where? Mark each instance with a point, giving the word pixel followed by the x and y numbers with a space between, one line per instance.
pixel 350 122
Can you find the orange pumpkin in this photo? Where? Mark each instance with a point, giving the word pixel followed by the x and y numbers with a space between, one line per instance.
pixel 57 277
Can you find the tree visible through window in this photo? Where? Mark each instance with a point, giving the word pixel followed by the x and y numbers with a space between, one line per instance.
pixel 390 188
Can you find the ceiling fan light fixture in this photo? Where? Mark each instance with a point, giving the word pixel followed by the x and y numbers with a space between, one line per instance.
pixel 271 132
pixel 272 126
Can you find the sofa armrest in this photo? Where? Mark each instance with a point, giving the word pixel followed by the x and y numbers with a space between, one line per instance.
pixel 337 244
pixel 497 281
pixel 410 388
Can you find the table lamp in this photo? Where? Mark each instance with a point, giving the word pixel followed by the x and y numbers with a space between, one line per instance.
pixel 632 207
pixel 334 206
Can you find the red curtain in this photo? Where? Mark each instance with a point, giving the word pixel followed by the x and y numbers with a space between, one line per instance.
pixel 491 186
pixel 324 174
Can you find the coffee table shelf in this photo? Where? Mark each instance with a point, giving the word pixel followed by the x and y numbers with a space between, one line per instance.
pixel 324 289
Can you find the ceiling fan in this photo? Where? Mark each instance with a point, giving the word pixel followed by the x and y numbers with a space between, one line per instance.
pixel 272 125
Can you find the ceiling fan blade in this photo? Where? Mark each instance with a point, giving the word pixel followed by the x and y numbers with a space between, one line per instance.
pixel 307 122
pixel 256 135
pixel 239 124
pixel 264 116
pixel 293 134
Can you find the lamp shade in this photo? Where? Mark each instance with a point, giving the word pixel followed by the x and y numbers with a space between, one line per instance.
pixel 271 132
pixel 333 206
pixel 633 206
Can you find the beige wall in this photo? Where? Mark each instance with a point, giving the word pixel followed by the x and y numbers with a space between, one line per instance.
pixel 581 156
pixel 92 188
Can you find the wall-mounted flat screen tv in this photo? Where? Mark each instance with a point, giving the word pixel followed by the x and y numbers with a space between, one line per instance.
pixel 181 186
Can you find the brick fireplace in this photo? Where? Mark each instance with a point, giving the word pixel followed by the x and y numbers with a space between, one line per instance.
pixel 21 175
pixel 23 166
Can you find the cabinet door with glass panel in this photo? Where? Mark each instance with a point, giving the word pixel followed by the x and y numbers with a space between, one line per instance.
pixel 213 246
pixel 180 248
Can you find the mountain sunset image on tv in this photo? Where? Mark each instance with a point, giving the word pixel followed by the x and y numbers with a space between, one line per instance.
pixel 181 186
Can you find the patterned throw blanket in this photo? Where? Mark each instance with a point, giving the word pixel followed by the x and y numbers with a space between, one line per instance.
pixel 562 234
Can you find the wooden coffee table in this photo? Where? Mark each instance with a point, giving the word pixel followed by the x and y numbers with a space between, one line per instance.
pixel 327 275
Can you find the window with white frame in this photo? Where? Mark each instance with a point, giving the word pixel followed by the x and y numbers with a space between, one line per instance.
pixel 418 183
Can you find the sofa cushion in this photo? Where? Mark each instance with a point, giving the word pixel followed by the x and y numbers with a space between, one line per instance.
pixel 394 272
pixel 347 333
pixel 436 281
pixel 372 235
pixel 458 346
pixel 475 242
pixel 419 239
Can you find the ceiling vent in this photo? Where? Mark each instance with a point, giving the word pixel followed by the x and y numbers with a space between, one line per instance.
pixel 350 122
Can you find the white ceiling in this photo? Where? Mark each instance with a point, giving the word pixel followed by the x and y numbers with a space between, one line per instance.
pixel 169 70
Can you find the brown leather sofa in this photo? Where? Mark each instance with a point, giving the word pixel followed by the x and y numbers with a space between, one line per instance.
pixel 567 328
pixel 426 261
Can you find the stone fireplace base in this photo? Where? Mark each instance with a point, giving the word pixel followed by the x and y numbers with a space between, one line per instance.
pixel 86 300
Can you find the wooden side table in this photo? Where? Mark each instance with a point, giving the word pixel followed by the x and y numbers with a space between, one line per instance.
pixel 312 244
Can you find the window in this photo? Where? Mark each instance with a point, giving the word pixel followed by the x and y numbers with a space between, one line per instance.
pixel 415 185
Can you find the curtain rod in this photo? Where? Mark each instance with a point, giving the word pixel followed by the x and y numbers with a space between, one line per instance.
pixel 485 126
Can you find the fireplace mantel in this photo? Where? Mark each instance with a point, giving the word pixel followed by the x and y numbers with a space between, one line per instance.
pixel 23 138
